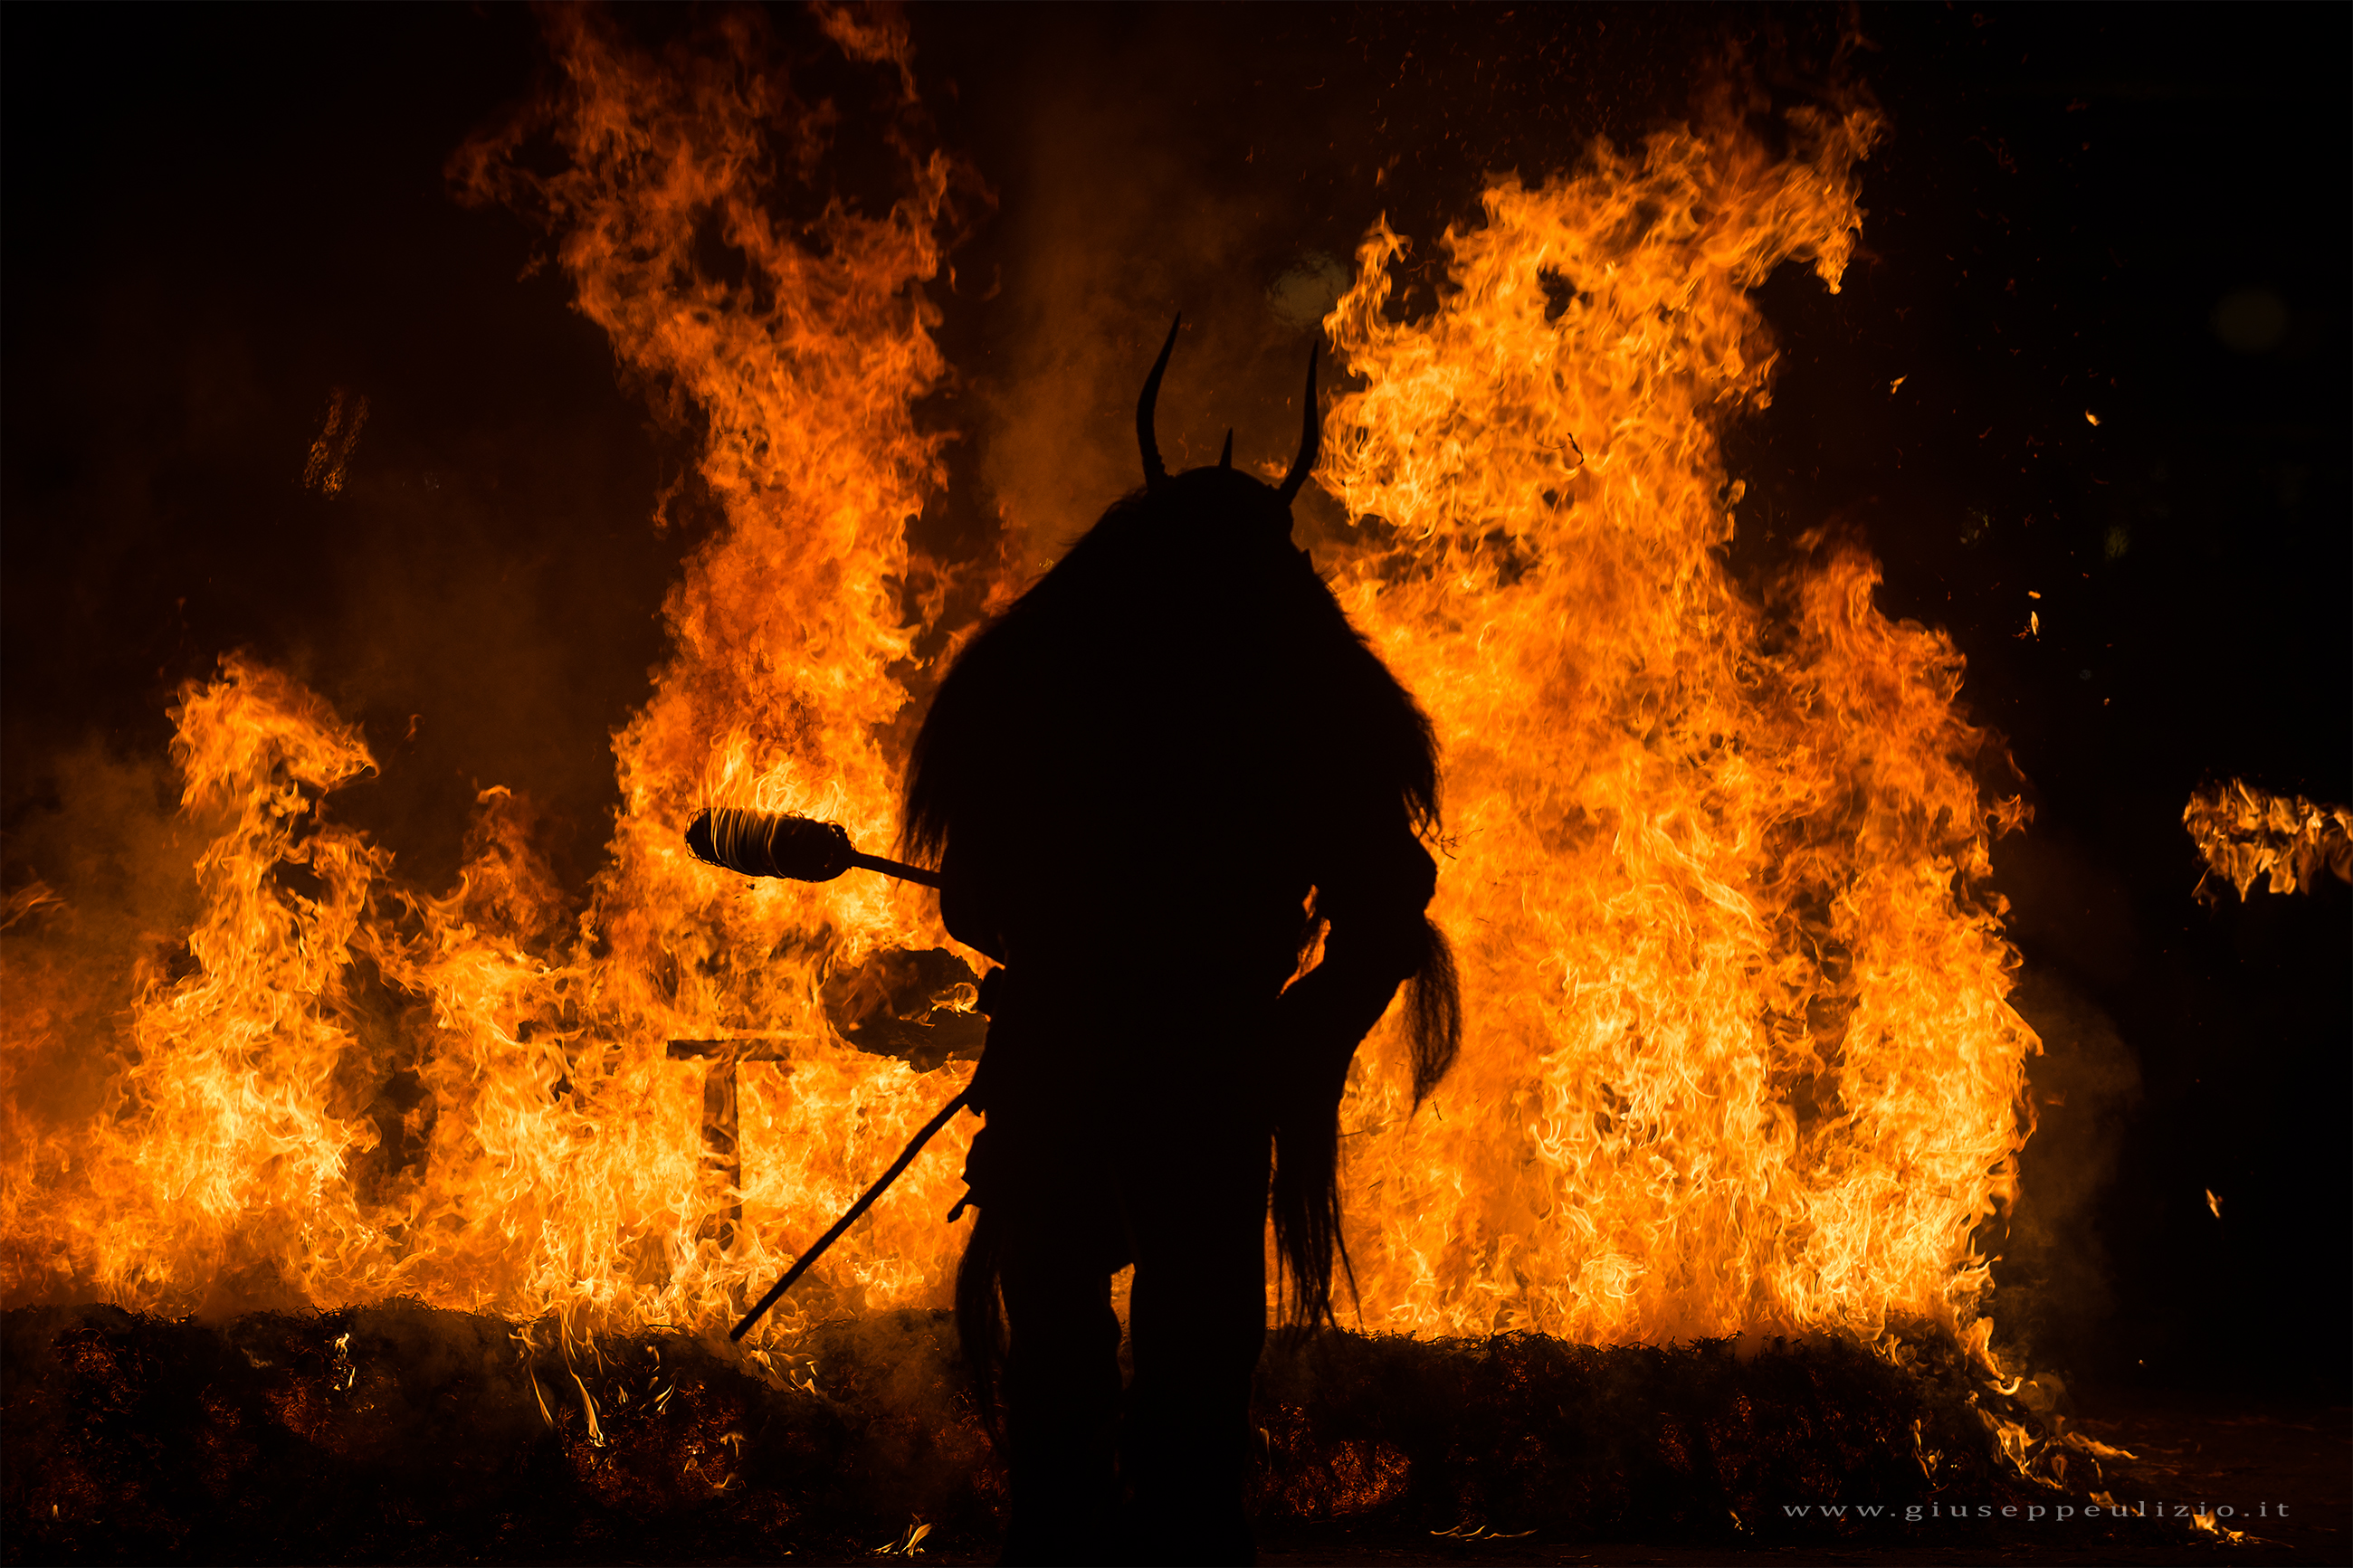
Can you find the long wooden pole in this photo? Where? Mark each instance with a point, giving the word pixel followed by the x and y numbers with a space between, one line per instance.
pixel 906 1157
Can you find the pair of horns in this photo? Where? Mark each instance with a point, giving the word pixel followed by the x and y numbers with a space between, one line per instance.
pixel 1155 473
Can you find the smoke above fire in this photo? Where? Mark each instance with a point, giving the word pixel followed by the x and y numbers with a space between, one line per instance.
pixel 1740 1054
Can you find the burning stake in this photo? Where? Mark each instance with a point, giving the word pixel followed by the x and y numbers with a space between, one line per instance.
pixel 722 1138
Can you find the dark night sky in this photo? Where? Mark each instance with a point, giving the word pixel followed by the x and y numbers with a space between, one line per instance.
pixel 215 216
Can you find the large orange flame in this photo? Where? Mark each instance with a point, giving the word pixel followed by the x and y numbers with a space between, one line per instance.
pixel 1739 1056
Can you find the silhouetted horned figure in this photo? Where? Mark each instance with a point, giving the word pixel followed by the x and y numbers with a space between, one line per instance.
pixel 1149 786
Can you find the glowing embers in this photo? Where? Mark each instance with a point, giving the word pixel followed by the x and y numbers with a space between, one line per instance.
pixel 357 1434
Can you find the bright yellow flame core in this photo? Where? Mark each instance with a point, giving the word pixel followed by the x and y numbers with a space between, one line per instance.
pixel 1738 1053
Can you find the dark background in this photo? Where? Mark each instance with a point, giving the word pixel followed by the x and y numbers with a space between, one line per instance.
pixel 214 217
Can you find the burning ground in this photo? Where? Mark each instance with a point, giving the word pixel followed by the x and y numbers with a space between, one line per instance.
pixel 398 1432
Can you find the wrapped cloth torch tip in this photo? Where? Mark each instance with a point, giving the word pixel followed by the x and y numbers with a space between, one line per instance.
pixel 778 844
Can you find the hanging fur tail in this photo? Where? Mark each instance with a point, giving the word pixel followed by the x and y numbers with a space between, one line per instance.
pixel 1306 1193
pixel 980 1316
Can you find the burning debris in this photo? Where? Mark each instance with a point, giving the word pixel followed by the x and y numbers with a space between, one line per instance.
pixel 403 1432
pixel 331 454
pixel 2246 834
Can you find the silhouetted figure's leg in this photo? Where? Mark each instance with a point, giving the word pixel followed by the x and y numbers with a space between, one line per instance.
pixel 1062 1380
pixel 1196 1191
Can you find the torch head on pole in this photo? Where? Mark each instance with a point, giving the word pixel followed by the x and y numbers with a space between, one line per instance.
pixel 771 844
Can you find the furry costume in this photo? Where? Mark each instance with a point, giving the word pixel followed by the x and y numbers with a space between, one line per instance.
pixel 1150 786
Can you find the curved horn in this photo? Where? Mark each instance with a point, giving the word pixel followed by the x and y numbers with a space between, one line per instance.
pixel 1311 438
pixel 1226 457
pixel 1154 473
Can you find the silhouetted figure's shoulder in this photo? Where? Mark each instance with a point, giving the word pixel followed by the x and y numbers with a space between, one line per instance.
pixel 1176 726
